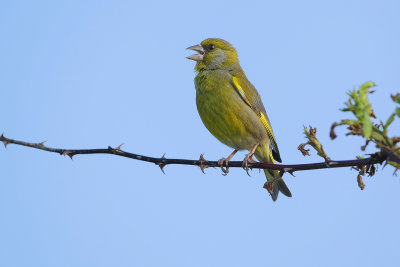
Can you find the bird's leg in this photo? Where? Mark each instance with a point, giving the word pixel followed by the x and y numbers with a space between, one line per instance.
pixel 249 159
pixel 224 161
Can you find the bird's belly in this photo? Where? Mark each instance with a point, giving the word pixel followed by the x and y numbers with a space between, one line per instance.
pixel 230 119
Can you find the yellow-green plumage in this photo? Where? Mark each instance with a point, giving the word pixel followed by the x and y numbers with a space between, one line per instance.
pixel 231 108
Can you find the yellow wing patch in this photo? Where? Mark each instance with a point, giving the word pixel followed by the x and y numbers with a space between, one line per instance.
pixel 271 136
pixel 264 121
pixel 271 157
pixel 241 92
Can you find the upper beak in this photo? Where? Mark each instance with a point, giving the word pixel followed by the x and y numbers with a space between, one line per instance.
pixel 199 56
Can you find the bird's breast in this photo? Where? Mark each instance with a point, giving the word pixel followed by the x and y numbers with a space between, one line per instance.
pixel 225 114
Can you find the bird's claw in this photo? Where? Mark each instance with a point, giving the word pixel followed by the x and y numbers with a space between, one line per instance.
pixel 248 159
pixel 223 162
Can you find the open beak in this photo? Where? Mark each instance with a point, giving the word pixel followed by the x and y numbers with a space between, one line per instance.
pixel 199 56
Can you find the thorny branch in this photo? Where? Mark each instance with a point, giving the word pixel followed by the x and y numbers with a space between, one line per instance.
pixel 363 125
pixel 376 158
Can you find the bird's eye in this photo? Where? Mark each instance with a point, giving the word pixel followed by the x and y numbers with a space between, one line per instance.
pixel 211 46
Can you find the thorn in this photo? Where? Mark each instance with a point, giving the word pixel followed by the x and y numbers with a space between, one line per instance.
pixel 4 140
pixel 42 143
pixel 291 172
pixel 161 165
pixel 68 153
pixel 119 147
pixel 202 166
pixel 202 158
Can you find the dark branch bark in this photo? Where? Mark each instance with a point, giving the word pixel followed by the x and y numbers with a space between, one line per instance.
pixel 378 157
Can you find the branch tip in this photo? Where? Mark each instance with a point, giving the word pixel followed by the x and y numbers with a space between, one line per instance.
pixel 4 140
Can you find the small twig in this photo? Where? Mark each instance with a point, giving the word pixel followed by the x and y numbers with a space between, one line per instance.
pixel 313 141
pixel 378 157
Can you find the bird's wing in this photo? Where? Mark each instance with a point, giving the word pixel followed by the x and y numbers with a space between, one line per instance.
pixel 251 97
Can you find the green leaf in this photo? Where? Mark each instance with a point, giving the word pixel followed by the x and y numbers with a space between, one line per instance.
pixel 364 88
pixel 396 98
pixel 367 126
pixel 376 135
pixel 389 121
pixel 398 112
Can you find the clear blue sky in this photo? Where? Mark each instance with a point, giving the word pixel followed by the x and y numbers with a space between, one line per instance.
pixel 96 73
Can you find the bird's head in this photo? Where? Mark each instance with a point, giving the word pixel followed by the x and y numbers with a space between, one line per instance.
pixel 214 53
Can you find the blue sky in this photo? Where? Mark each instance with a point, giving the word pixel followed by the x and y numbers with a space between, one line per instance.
pixel 88 74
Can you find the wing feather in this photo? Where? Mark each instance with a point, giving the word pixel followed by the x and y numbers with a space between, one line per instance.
pixel 259 109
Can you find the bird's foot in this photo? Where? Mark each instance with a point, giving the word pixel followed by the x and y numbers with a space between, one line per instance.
pixel 225 169
pixel 248 159
pixel 224 161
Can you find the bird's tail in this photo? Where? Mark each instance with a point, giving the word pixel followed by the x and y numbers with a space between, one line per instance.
pixel 275 183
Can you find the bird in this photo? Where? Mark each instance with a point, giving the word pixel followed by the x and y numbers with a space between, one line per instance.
pixel 232 110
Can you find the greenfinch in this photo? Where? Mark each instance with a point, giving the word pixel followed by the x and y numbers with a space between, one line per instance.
pixel 231 109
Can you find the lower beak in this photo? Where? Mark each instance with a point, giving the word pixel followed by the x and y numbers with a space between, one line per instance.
pixel 199 56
